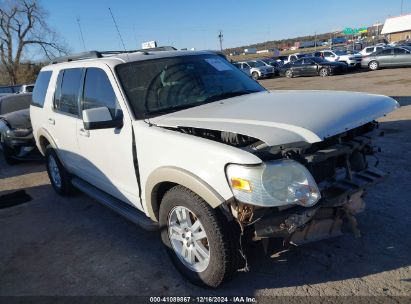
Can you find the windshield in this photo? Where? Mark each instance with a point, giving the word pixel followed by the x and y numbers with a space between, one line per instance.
pixel 256 64
pixel 164 85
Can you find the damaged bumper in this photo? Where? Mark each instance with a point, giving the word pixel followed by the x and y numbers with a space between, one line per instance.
pixel 19 140
pixel 340 202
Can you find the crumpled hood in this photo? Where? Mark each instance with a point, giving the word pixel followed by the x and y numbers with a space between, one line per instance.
pixel 281 117
pixel 18 119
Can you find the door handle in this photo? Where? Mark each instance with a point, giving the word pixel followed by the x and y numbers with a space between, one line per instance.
pixel 85 133
pixel 52 121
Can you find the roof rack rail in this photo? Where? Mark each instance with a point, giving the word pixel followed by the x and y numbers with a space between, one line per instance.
pixel 78 56
pixel 98 54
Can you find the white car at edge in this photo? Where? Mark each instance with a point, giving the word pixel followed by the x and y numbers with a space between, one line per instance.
pixel 186 143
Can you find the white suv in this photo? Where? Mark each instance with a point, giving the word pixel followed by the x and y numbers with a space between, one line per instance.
pixel 186 143
pixel 351 60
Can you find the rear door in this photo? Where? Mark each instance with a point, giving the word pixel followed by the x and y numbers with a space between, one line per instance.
pixel 108 160
pixel 62 120
pixel 385 57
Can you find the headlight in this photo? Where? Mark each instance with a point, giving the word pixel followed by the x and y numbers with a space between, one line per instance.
pixel 19 132
pixel 276 183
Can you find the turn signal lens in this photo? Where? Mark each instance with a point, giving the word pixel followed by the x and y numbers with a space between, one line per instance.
pixel 241 184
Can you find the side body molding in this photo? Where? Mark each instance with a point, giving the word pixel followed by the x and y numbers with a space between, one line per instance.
pixel 183 178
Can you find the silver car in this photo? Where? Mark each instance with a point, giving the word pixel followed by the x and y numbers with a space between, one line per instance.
pixel 389 57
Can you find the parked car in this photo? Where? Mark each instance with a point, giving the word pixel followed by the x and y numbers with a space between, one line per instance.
pixel 351 60
pixel 281 59
pixel 186 143
pixel 371 49
pixel 273 63
pixel 26 88
pixel 14 102
pixel 9 89
pixel 401 43
pixel 296 56
pixel 312 66
pixel 255 68
pixel 16 137
pixel 388 57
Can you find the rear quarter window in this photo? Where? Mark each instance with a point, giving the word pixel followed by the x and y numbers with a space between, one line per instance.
pixel 40 89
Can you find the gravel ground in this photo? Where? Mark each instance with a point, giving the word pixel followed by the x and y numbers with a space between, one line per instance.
pixel 60 246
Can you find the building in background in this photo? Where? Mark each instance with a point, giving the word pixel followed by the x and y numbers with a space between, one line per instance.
pixel 397 28
pixel 250 51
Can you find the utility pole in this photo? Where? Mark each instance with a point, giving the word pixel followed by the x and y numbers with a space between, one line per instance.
pixel 220 37
pixel 81 33
pixel 402 6
pixel 315 43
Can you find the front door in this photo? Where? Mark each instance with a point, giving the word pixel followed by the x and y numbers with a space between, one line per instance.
pixel 108 161
pixel 401 57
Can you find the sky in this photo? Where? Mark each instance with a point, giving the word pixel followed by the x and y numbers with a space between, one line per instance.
pixel 195 24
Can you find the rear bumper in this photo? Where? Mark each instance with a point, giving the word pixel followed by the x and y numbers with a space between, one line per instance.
pixel 340 202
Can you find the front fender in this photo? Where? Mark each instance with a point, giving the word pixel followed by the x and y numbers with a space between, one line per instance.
pixel 182 177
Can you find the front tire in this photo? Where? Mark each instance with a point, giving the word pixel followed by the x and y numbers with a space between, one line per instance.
pixel 324 72
pixel 7 152
pixel 289 74
pixel 59 177
pixel 374 65
pixel 198 239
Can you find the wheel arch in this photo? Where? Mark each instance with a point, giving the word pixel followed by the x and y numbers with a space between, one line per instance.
pixel 43 139
pixel 164 178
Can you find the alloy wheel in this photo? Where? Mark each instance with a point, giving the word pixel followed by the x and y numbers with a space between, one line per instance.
pixel 188 238
pixel 54 172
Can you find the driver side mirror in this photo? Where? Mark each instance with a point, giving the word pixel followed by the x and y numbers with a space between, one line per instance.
pixel 100 118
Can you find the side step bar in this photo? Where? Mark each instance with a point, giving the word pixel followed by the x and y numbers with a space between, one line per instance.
pixel 134 215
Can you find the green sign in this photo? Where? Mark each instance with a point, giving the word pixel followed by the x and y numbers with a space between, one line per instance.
pixel 354 31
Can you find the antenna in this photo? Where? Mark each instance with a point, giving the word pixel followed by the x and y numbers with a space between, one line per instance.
pixel 220 37
pixel 118 31
pixel 81 32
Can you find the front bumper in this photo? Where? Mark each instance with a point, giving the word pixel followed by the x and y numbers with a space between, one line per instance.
pixel 339 203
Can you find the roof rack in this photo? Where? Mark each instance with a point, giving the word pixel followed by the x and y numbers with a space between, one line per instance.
pixel 100 54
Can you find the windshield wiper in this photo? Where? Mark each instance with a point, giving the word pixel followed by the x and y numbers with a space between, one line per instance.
pixel 175 108
pixel 228 95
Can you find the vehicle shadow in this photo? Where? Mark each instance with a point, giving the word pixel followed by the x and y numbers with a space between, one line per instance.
pixel 73 246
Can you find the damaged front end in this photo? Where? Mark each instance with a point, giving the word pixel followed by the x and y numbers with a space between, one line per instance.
pixel 341 170
pixel 16 135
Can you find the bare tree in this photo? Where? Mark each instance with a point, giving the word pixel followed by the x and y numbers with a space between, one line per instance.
pixel 22 24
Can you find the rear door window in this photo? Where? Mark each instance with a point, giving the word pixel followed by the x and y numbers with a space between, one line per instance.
pixel 98 91
pixel 40 89
pixel 67 91
pixel 385 52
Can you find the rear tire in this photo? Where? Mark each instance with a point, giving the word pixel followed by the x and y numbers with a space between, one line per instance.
pixel 59 177
pixel 374 65
pixel 186 249
pixel 289 74
pixel 255 75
